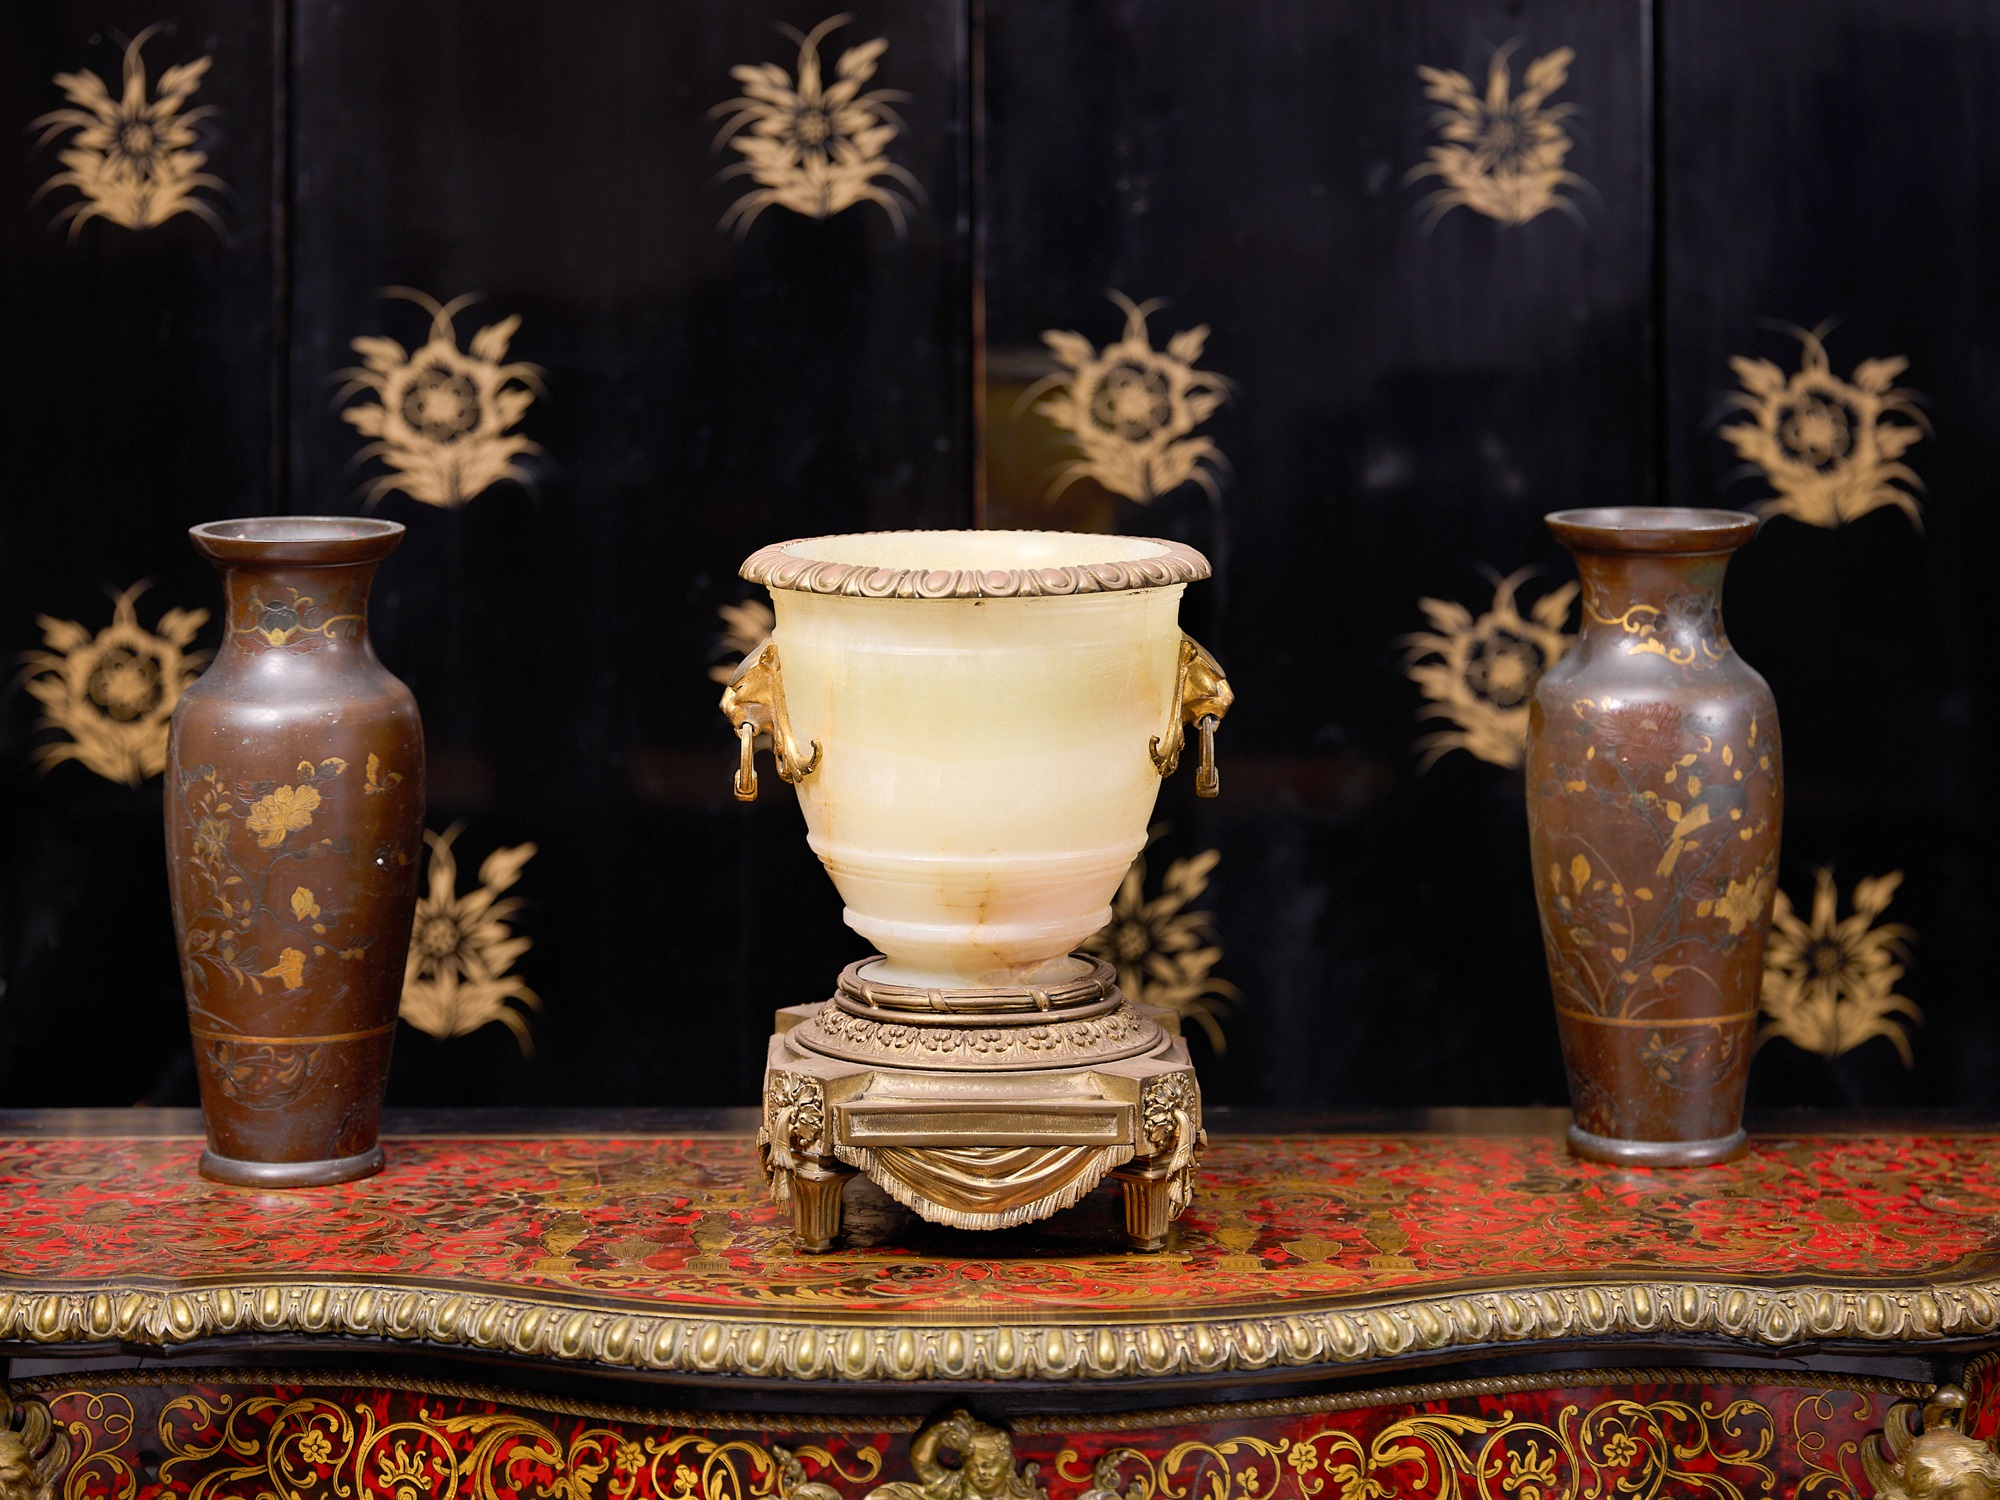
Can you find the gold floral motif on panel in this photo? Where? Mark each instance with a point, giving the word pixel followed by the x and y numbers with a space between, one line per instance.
pixel 1132 409
pixel 111 694
pixel 1481 673
pixel 1501 153
pixel 1617 1447
pixel 462 948
pixel 814 147
pixel 280 1446
pixel 1831 448
pixel 132 158
pixel 442 417
pixel 1830 982
pixel 1165 954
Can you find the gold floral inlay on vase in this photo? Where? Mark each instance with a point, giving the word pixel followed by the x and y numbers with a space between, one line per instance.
pixel 442 418
pixel 1500 153
pixel 1133 409
pixel 112 694
pixel 1831 448
pixel 1830 981
pixel 462 947
pixel 132 157
pixel 1481 673
pixel 814 147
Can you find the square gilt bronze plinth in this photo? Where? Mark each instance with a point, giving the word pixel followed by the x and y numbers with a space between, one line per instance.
pixel 981 1109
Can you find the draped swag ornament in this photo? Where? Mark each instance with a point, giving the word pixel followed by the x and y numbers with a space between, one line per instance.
pixel 442 417
pixel 111 694
pixel 456 979
pixel 132 157
pixel 1481 673
pixel 814 147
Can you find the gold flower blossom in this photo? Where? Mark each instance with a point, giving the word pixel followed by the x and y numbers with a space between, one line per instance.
pixel 1132 408
pixel 282 813
pixel 314 1447
pixel 290 967
pixel 1481 673
pixel 1165 954
pixel 441 416
pixel 1831 448
pixel 1742 903
pixel 461 948
pixel 112 693
pixel 745 627
pixel 1829 984
pixel 131 157
pixel 817 148
pixel 1502 154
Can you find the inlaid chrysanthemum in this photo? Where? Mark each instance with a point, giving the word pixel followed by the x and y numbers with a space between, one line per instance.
pixel 1481 673
pixel 1132 409
pixel 132 158
pixel 112 693
pixel 1831 448
pixel 443 417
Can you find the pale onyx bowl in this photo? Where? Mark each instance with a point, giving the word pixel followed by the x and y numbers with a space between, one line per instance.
pixel 977 724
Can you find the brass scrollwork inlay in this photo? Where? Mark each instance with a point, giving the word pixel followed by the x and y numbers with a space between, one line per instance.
pixel 1202 696
pixel 754 700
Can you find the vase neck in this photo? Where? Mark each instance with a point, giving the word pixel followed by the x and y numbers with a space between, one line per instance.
pixel 1663 603
pixel 297 607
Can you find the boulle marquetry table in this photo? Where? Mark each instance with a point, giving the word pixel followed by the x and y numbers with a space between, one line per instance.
pixel 601 1305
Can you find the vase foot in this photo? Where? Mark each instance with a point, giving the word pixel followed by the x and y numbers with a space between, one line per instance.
pixel 291 1174
pixel 1623 1153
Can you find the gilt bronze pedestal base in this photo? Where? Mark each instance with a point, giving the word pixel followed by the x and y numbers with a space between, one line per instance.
pixel 982 1109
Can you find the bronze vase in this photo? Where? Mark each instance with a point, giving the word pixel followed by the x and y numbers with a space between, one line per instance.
pixel 295 810
pixel 1655 793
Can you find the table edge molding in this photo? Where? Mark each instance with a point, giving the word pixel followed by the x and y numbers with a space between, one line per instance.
pixel 692 1343
pixel 50 1387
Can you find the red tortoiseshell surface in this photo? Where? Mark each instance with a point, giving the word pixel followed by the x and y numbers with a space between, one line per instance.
pixel 1284 1222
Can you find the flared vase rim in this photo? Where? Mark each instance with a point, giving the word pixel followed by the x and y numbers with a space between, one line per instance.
pixel 1652 528
pixel 323 541
pixel 1058 563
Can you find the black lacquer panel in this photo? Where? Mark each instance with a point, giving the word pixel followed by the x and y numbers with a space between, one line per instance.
pixel 1411 391
pixel 136 398
pixel 1834 168
pixel 1400 370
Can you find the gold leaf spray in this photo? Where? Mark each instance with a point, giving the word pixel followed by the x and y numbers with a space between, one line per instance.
pixel 1165 954
pixel 131 157
pixel 1500 154
pixel 814 147
pixel 457 977
pixel 1830 981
